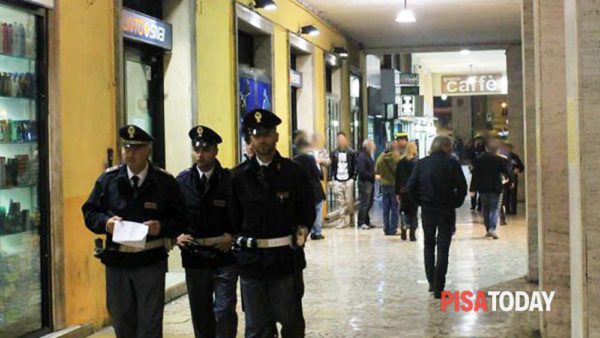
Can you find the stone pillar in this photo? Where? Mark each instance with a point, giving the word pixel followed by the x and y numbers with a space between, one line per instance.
pixel 514 72
pixel 552 172
pixel 582 19
pixel 529 125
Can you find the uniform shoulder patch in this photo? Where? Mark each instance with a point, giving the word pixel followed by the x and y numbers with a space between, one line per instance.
pixel 164 171
pixel 113 168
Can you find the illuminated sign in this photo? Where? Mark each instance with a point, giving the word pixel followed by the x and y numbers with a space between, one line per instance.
pixel 146 29
pixel 467 84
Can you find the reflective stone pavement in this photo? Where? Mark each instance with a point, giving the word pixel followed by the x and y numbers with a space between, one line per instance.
pixel 362 284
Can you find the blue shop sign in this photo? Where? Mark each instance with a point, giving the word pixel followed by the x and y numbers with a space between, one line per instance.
pixel 146 29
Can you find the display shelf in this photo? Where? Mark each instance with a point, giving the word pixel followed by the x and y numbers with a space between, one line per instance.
pixel 17 57
pixel 29 186
pixel 19 143
pixel 4 97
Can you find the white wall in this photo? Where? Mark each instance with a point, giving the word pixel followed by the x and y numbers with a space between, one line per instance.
pixel 306 95
pixel 177 79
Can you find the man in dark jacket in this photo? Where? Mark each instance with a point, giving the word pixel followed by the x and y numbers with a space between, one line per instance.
pixel 341 175
pixel 488 170
pixel 438 184
pixel 518 168
pixel 210 271
pixel 272 212
pixel 309 163
pixel 476 149
pixel 365 168
pixel 136 191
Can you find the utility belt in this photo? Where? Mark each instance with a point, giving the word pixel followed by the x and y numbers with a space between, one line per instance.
pixel 209 241
pixel 263 243
pixel 150 245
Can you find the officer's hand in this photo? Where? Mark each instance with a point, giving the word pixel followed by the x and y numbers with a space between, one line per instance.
pixel 378 177
pixel 472 194
pixel 110 224
pixel 184 239
pixel 226 243
pixel 153 227
pixel 301 235
pixel 398 198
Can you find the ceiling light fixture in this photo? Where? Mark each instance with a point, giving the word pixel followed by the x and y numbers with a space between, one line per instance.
pixel 310 30
pixel 465 52
pixel 268 5
pixel 341 52
pixel 406 15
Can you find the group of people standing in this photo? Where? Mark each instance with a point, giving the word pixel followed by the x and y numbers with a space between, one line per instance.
pixel 248 223
pixel 495 170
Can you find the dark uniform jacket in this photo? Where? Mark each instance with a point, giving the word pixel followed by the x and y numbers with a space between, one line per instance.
pixel 315 176
pixel 159 198
pixel 207 211
pixel 487 173
pixel 351 158
pixel 403 170
pixel 437 181
pixel 271 202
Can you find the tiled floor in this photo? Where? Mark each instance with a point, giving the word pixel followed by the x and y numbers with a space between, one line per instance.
pixel 362 284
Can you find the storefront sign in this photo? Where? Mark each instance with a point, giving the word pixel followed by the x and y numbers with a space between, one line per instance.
pixel 295 78
pixel 408 79
pixel 468 84
pixel 409 90
pixel 43 3
pixel 146 29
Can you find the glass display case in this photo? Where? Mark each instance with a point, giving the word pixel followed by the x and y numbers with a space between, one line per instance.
pixel 21 275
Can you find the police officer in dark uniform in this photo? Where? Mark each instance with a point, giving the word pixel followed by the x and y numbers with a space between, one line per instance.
pixel 136 191
pixel 273 211
pixel 210 270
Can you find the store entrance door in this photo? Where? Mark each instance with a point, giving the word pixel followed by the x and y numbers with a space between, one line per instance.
pixel 144 94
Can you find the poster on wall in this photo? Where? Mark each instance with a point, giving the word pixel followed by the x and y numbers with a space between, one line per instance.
pixel 254 94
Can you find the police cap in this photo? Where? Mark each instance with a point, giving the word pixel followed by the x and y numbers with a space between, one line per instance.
pixel 260 121
pixel 133 135
pixel 203 136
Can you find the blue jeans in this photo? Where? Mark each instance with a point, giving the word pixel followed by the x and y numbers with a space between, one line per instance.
pixel 390 209
pixel 489 204
pixel 318 224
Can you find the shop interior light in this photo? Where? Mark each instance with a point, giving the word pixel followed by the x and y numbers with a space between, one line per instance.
pixel 444 97
pixel 406 15
pixel 268 5
pixel 310 30
pixel 341 51
pixel 465 52
pixel 504 105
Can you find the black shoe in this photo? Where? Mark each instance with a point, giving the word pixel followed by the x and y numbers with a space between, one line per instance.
pixel 413 235
pixel 372 226
pixel 437 294
pixel 403 234
pixel 430 287
pixel 316 237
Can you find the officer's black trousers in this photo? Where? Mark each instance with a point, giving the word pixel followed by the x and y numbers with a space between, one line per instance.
pixel 438 225
pixel 136 298
pixel 269 300
pixel 213 316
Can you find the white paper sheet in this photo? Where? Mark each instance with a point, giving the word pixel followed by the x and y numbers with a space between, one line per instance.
pixel 130 233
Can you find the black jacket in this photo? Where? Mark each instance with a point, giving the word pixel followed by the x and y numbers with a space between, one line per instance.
pixel 208 214
pixel 271 202
pixel 309 164
pixel 487 173
pixel 404 169
pixel 159 198
pixel 365 167
pixel 351 158
pixel 437 181
pixel 516 162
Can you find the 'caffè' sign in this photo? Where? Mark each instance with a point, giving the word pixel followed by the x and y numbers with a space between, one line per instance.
pixel 470 84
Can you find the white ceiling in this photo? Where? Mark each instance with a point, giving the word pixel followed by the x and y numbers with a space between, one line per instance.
pixel 454 63
pixel 439 23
